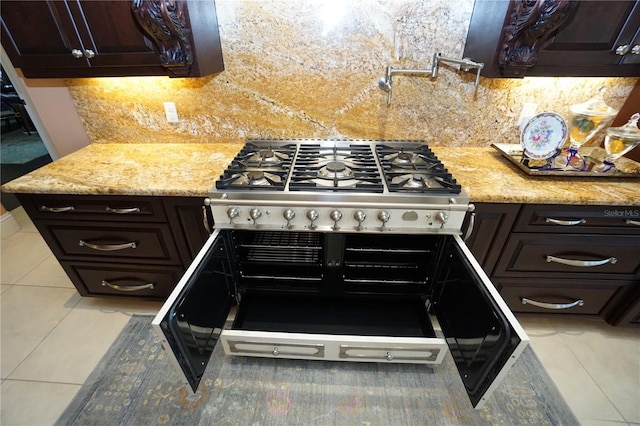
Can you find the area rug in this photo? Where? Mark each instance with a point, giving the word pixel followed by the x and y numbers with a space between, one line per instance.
pixel 134 384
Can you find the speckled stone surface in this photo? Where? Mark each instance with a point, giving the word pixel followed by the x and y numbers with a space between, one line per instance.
pixel 298 69
pixel 192 169
pixel 131 169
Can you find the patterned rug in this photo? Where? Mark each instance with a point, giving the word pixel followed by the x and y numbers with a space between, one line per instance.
pixel 134 384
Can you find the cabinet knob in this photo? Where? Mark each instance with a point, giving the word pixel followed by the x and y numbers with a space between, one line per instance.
pixel 636 49
pixel 77 53
pixel 623 49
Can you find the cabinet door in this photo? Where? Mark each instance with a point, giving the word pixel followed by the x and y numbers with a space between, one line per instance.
pixel 190 329
pixel 34 32
pixel 110 30
pixel 591 38
pixel 484 337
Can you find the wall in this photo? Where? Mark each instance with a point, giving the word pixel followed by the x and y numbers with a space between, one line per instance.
pixel 297 69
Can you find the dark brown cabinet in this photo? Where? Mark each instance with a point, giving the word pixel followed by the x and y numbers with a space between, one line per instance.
pixel 520 38
pixel 82 38
pixel 120 245
pixel 562 259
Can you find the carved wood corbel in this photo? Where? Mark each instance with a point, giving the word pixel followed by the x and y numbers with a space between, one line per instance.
pixel 530 26
pixel 165 21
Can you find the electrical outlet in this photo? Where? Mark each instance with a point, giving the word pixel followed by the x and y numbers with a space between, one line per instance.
pixel 171 112
pixel 528 111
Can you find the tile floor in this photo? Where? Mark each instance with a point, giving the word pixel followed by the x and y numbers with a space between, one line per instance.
pixel 51 339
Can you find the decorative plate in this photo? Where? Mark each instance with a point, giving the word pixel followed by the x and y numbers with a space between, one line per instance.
pixel 543 134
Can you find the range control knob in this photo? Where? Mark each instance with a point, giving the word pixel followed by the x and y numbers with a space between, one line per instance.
pixel 335 216
pixel 384 216
pixel 288 214
pixel 360 216
pixel 255 214
pixel 232 213
pixel 442 217
pixel 312 215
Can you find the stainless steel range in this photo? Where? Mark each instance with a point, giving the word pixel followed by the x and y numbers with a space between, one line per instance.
pixel 340 250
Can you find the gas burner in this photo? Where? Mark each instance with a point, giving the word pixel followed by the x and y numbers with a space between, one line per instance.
pixel 409 160
pixel 252 179
pixel 417 180
pixel 335 170
pixel 264 157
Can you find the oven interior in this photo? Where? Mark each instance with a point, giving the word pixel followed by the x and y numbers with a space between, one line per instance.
pixel 334 283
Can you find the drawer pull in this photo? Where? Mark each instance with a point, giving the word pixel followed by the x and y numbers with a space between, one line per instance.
pixel 57 209
pixel 107 247
pixel 149 286
pixel 632 222
pixel 565 222
pixel 582 263
pixel 123 211
pixel 555 306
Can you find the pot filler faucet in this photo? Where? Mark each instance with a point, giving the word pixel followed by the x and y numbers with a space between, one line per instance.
pixel 466 65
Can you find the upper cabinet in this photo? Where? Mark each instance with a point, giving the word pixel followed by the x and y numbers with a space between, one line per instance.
pixel 98 38
pixel 556 38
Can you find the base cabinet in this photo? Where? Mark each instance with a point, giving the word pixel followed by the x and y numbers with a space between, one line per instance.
pixel 119 246
pixel 563 259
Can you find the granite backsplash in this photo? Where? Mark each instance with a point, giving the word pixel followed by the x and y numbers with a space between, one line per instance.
pixel 310 68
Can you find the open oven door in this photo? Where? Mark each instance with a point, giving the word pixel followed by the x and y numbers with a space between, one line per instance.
pixel 483 335
pixel 191 320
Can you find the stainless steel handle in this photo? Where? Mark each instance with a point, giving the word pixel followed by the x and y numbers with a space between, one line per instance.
pixel 123 211
pixel 205 220
pixel 107 247
pixel 57 209
pixel 555 306
pixel 581 263
pixel 565 222
pixel 77 53
pixel 89 53
pixel 632 222
pixel 472 222
pixel 623 49
pixel 149 286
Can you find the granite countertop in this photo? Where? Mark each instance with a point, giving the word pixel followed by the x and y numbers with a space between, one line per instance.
pixel 192 169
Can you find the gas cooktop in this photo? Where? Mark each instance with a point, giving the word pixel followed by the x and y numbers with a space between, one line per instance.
pixel 338 186
pixel 337 165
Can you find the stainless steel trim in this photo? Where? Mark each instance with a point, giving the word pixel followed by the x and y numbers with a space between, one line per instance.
pixel 565 222
pixel 470 225
pixel 555 306
pixel 632 222
pixel 123 210
pixel 106 283
pixel 107 247
pixel 57 209
pixel 581 263
pixel 391 353
pixel 275 349
pixel 205 220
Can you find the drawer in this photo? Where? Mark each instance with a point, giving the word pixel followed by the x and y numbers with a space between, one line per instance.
pixel 559 296
pixel 97 279
pixel 579 219
pixel 89 207
pixel 131 243
pixel 290 326
pixel 551 255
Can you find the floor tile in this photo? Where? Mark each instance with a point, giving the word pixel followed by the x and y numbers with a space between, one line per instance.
pixel 574 382
pixel 616 368
pixel 28 315
pixel 49 273
pixel 20 254
pixel 26 225
pixel 33 403
pixel 89 329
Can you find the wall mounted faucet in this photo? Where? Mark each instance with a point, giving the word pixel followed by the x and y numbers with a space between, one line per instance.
pixel 466 64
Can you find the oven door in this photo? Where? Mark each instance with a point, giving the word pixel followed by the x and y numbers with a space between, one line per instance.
pixel 484 337
pixel 188 328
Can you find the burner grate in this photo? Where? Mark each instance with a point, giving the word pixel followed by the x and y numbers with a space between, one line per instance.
pixel 413 167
